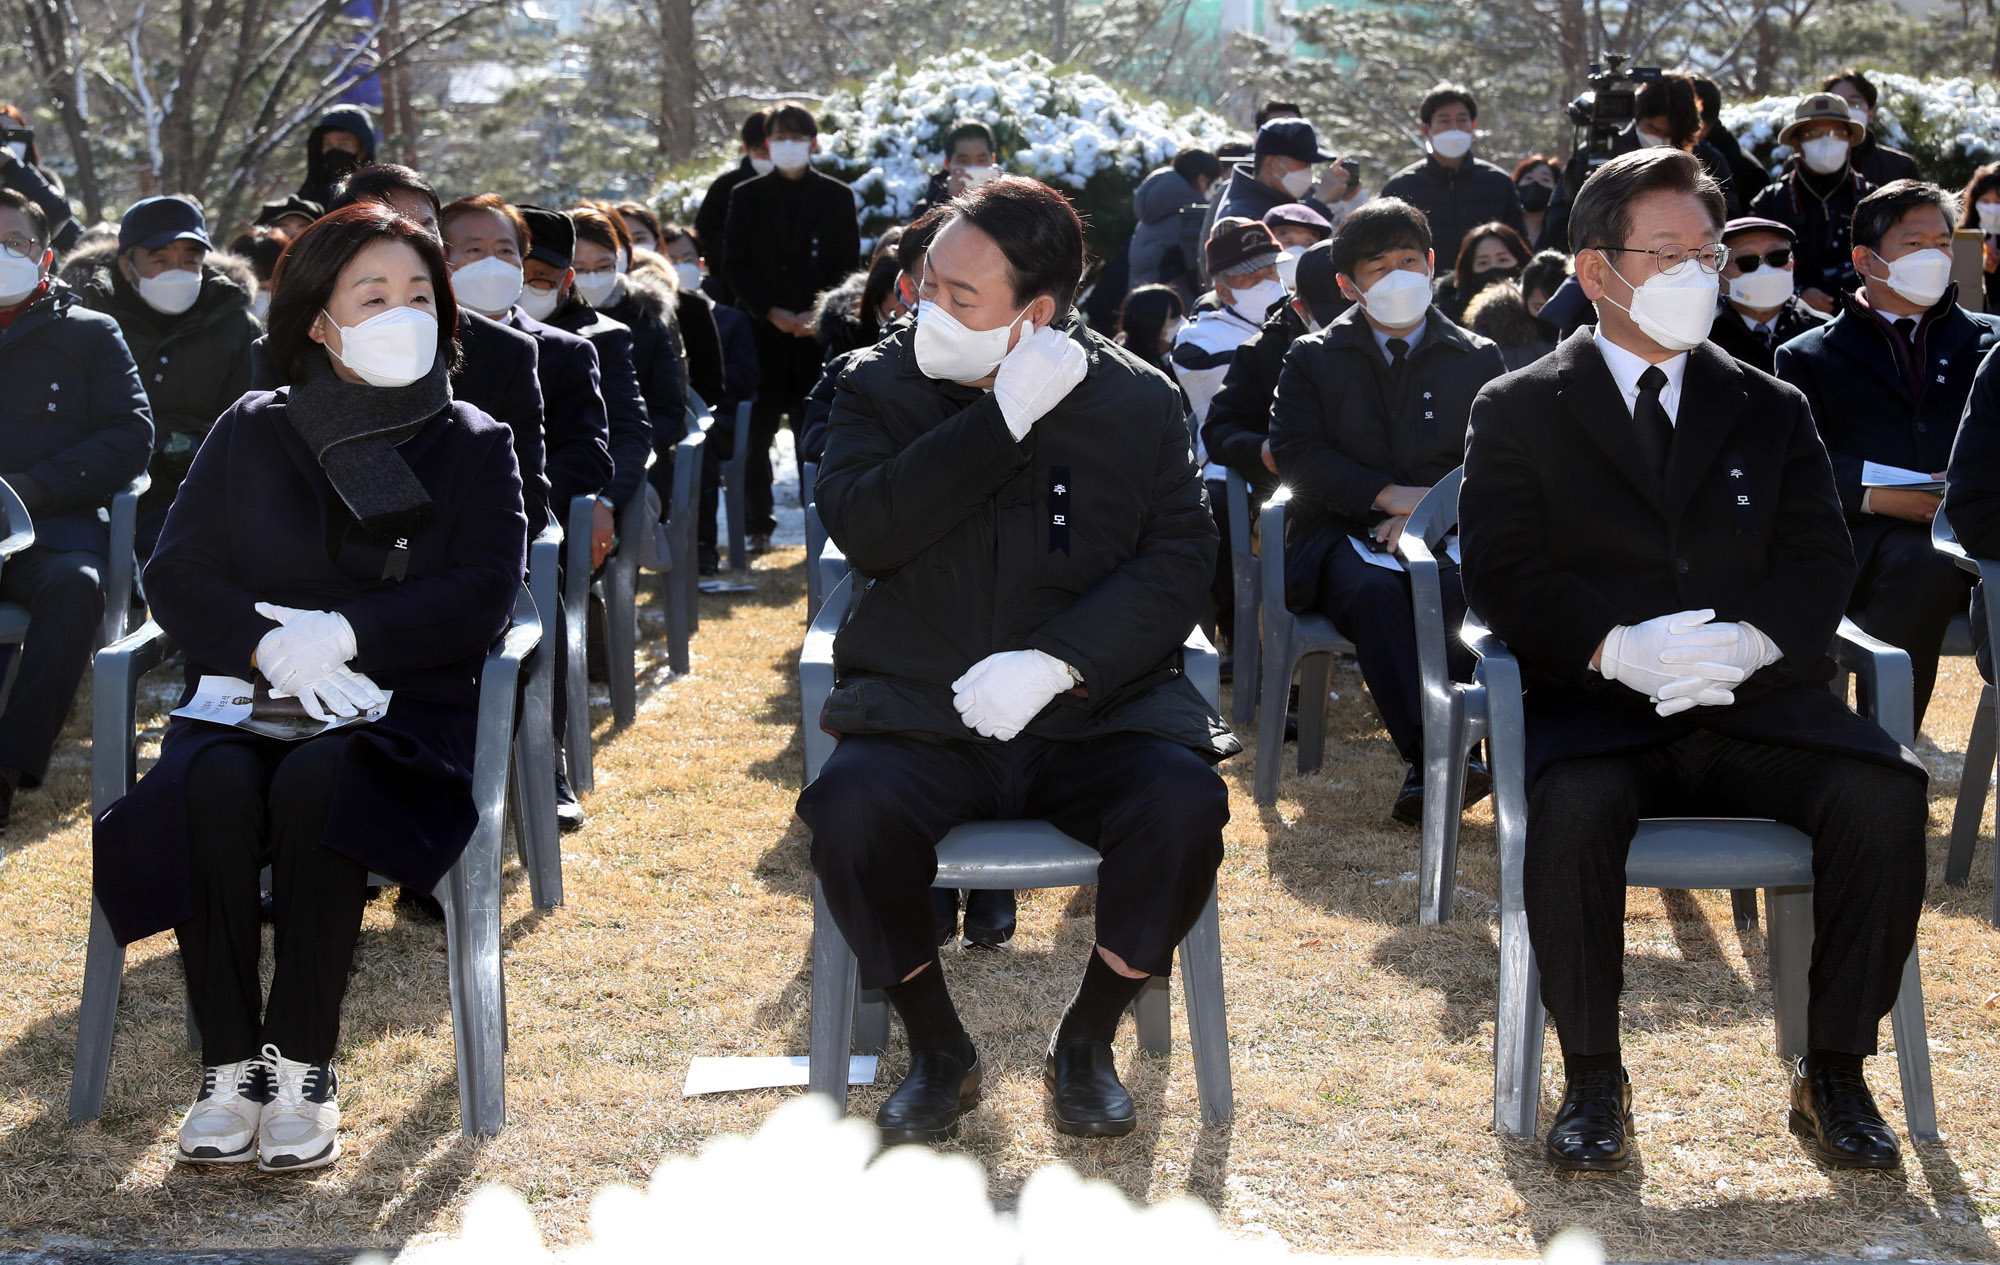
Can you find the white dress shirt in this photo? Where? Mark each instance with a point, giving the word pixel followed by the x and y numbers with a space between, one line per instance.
pixel 1626 368
pixel 1412 338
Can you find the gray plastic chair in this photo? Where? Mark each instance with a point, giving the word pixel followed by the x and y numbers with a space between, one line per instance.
pixel 1690 854
pixel 122 517
pixel 1003 856
pixel 680 586
pixel 13 616
pixel 1294 641
pixel 1248 585
pixel 538 835
pixel 733 482
pixel 470 893
pixel 576 641
pixel 815 537
pixel 1454 711
pixel 1979 747
pixel 616 590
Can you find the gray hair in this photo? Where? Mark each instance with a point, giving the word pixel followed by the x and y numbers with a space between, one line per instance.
pixel 1602 214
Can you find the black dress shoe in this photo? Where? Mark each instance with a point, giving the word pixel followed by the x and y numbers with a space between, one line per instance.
pixel 1593 1129
pixel 1085 1093
pixel 989 918
pixel 1409 807
pixel 1834 1112
pixel 569 813
pixel 927 1105
pixel 944 905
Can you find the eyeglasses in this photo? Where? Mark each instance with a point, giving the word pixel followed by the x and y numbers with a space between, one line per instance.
pixel 1780 258
pixel 20 248
pixel 1713 257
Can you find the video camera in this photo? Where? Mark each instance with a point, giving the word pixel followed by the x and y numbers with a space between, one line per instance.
pixel 1600 114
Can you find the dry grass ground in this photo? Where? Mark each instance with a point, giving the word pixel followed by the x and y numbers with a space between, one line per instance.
pixel 1361 1041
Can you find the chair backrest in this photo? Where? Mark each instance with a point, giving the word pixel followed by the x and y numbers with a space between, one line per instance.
pixel 1238 510
pixel 1271 541
pixel 20 526
pixel 1435 518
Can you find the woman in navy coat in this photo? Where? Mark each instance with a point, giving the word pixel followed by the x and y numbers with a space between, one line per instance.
pixel 353 534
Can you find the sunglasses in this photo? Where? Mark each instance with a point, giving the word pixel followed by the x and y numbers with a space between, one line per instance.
pixel 1775 258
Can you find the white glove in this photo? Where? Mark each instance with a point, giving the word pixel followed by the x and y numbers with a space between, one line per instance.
pixel 1044 367
pixel 305 646
pixel 341 692
pixel 1748 651
pixel 1000 694
pixel 1632 653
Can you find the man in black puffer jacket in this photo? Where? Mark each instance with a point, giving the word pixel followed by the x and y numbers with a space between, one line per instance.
pixel 1022 498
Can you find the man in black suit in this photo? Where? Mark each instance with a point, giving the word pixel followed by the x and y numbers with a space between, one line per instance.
pixel 1887 380
pixel 1370 412
pixel 791 235
pixel 1653 529
pixel 713 214
pixel 1760 308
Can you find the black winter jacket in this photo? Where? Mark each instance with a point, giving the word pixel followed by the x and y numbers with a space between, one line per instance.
pixel 630 430
pixel 1734 336
pixel 645 307
pixel 1090 540
pixel 1823 225
pixel 1239 417
pixel 321 174
pixel 1456 202
pixel 789 240
pixel 576 438
pixel 1972 502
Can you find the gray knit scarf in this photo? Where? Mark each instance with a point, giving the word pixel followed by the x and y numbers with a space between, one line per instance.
pixel 353 430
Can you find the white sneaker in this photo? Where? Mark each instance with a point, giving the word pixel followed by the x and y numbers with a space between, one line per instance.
pixel 221 1127
pixel 300 1126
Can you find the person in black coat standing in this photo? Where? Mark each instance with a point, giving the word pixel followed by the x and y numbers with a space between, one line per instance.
pixel 1453 189
pixel 1653 529
pixel 1760 310
pixel 1887 380
pixel 1817 195
pixel 351 540
pixel 341 142
pixel 74 429
pixel 1023 499
pixel 711 218
pixel 791 235
pixel 1370 413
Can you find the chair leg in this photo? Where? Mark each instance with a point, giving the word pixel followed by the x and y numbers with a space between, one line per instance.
pixel 1518 1031
pixel 1444 799
pixel 1208 1019
pixel 470 894
pixel 97 1019
pixel 1277 684
pixel 621 635
pixel 1246 649
pixel 871 1021
pixel 576 729
pixel 1913 1054
pixel 1972 783
pixel 1153 1015
pixel 1789 937
pixel 535 795
pixel 832 1021
pixel 1743 904
pixel 1315 679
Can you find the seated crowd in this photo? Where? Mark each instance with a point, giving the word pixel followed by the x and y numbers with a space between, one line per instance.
pixel 1703 414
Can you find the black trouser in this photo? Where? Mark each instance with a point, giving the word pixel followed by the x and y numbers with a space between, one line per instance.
pixel 788 369
pixel 1370 606
pixel 1153 809
pixel 707 537
pixel 1906 593
pixel 251 804
pixel 1222 587
pixel 65 601
pixel 1866 822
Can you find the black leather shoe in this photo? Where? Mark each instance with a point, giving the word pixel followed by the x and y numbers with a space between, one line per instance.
pixel 1409 807
pixel 989 918
pixel 1834 1112
pixel 569 813
pixel 927 1105
pixel 1085 1093
pixel 1593 1129
pixel 944 905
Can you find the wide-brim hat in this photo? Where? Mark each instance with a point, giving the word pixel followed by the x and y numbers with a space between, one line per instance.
pixel 1821 107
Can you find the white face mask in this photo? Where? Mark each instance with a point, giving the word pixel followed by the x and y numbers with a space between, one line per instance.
pixel 1674 310
pixel 762 166
pixel 1826 155
pixel 18 277
pixel 1767 287
pixel 1649 141
pixel 538 302
pixel 689 275
pixel 1297 183
pixel 170 291
pixel 1288 267
pixel 1861 113
pixel 645 243
pixel 489 286
pixel 1253 303
pixel 1398 300
pixel 976 176
pixel 1172 332
pixel 1989 217
pixel 260 304
pixel 948 351
pixel 20 151
pixel 1922 276
pixel 597 288
pixel 791 155
pixel 390 349
pixel 1451 144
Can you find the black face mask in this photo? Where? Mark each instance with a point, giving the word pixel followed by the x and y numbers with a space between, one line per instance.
pixel 1535 196
pixel 1487 276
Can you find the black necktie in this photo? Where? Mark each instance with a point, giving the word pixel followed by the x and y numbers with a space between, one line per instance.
pixel 1906 329
pixel 1649 418
pixel 1399 363
pixel 1769 334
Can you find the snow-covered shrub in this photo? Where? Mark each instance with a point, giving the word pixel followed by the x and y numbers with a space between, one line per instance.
pixel 1951 126
pixel 1090 138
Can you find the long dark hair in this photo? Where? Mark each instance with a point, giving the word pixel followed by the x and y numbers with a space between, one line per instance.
pixel 307 271
pixel 1144 316
pixel 1511 238
pixel 881 284
pixel 1985 180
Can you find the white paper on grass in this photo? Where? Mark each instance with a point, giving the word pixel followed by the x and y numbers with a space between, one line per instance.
pixel 1876 475
pixel 1389 561
pixel 726 1075
pixel 226 700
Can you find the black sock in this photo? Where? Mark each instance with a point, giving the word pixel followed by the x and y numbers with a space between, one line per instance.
pixel 1821 1060
pixel 1575 1065
pixel 929 1019
pixel 1099 1002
